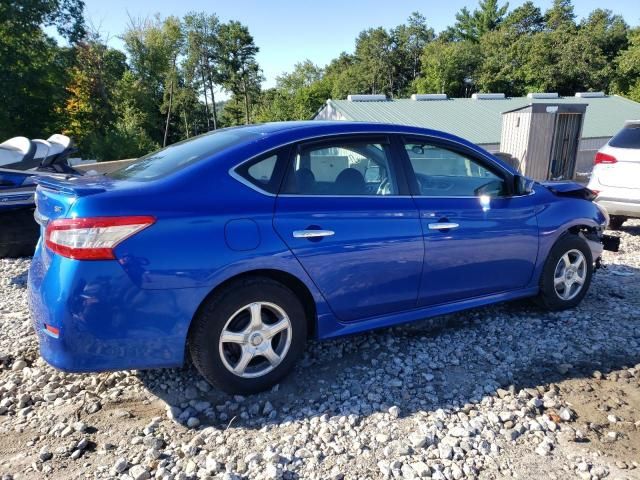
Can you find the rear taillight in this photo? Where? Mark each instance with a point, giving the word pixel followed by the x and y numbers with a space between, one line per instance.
pixel 92 238
pixel 604 158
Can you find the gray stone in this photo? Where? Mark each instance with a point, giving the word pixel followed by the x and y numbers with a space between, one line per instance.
pixel 138 472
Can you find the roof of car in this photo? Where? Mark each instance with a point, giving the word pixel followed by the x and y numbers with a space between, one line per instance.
pixel 315 127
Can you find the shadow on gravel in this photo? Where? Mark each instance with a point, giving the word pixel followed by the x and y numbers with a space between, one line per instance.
pixel 438 363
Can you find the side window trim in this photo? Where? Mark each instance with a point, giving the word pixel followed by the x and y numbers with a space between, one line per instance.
pixel 385 139
pixel 456 148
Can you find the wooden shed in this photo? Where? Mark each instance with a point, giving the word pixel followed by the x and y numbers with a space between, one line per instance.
pixel 543 138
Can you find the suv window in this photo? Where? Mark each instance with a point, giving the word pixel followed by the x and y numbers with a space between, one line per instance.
pixel 628 137
pixel 441 172
pixel 342 168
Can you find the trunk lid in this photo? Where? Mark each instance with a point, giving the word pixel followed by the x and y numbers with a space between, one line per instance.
pixel 55 196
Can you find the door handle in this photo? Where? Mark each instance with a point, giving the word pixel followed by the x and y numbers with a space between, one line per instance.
pixel 312 233
pixel 443 226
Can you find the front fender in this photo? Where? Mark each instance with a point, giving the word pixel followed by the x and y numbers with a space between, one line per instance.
pixel 560 215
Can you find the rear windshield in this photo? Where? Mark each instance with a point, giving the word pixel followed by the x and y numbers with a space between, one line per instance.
pixel 182 154
pixel 628 137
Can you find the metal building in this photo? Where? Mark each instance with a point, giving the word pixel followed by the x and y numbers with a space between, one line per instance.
pixel 479 119
pixel 543 138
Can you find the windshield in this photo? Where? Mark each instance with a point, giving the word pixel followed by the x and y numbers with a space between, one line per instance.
pixel 182 154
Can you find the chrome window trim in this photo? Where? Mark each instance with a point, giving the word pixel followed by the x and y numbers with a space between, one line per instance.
pixel 232 171
pixel 471 196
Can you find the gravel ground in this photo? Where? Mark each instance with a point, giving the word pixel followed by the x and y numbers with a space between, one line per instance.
pixel 502 392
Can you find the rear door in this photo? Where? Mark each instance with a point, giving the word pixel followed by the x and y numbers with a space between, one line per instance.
pixel 478 239
pixel 346 214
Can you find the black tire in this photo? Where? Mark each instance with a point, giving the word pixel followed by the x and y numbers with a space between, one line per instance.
pixel 213 315
pixel 548 298
pixel 19 233
pixel 616 221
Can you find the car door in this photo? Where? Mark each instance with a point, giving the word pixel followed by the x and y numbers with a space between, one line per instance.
pixel 479 239
pixel 346 214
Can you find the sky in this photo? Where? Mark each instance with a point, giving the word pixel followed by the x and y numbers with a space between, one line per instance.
pixel 289 31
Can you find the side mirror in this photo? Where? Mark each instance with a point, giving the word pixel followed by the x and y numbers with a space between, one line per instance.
pixel 522 185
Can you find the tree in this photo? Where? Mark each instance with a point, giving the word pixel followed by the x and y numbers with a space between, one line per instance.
pixel 34 68
pixel 411 40
pixel 560 16
pixel 66 16
pixel 153 45
pixel 375 54
pixel 202 57
pixel 240 73
pixel 89 107
pixel 524 20
pixel 297 96
pixel 448 67
pixel 472 25
pixel 344 74
pixel 627 62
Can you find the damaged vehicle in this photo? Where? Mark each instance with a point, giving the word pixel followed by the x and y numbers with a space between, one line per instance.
pixel 236 246
pixel 22 161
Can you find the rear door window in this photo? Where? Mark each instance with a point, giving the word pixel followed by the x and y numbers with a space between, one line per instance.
pixel 628 137
pixel 342 167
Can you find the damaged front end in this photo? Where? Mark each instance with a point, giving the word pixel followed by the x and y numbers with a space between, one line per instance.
pixel 595 236
pixel 570 189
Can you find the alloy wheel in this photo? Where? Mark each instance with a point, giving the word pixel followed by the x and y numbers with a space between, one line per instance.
pixel 255 339
pixel 570 274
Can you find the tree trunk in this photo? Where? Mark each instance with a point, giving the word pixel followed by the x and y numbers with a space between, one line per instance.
pixel 166 126
pixel 186 123
pixel 246 101
pixel 206 102
pixel 213 103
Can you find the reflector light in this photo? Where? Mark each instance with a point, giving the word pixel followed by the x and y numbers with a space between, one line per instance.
pixel 604 158
pixel 52 330
pixel 92 238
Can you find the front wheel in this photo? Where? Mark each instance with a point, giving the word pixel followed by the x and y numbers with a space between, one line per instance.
pixel 248 336
pixel 567 274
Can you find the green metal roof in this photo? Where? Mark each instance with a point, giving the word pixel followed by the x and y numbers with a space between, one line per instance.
pixel 480 121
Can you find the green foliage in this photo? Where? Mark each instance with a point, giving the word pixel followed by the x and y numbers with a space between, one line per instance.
pixel 298 95
pixel 628 63
pixel 33 69
pixel 473 25
pixel 169 84
pixel 448 67
pixel 239 70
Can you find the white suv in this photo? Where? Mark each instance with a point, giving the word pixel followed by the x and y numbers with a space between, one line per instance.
pixel 616 175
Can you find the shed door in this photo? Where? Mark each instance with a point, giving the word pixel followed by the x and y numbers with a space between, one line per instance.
pixel 565 146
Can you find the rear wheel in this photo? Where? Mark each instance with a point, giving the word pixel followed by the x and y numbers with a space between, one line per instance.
pixel 248 336
pixel 616 221
pixel 567 274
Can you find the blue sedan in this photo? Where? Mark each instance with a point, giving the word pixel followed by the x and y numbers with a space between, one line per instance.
pixel 236 246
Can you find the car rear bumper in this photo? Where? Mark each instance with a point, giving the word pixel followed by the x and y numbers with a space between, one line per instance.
pixel 622 207
pixel 103 320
